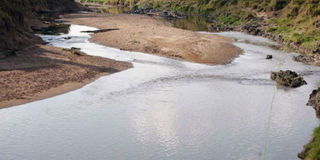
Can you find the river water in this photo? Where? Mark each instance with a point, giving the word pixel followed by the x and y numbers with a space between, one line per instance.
pixel 168 109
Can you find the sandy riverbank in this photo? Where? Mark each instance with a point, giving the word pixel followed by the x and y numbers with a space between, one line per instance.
pixel 43 71
pixel 149 35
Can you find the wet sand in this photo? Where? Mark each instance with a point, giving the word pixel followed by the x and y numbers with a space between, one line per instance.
pixel 149 35
pixel 41 71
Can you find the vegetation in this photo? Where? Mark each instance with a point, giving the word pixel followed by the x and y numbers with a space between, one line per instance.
pixel 296 21
pixel 15 16
pixel 312 149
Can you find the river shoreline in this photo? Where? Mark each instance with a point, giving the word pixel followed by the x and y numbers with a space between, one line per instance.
pixel 19 72
pixel 178 90
pixel 41 71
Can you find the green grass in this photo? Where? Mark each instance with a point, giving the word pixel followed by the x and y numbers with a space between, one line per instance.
pixel 313 147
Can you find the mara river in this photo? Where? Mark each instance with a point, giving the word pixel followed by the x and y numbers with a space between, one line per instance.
pixel 168 109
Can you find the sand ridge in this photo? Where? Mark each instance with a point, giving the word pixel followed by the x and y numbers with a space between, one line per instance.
pixel 150 35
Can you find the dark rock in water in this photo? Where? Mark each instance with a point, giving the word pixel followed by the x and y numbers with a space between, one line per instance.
pixel 67 38
pixel 269 57
pixel 288 78
pixel 101 30
pixel 308 59
pixel 314 100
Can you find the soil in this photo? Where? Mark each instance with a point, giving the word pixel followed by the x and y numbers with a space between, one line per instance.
pixel 41 71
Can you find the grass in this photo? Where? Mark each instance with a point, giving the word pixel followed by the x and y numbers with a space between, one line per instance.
pixel 313 147
pixel 134 42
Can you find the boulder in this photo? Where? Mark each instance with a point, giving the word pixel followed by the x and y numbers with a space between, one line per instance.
pixel 314 100
pixel 269 57
pixel 288 78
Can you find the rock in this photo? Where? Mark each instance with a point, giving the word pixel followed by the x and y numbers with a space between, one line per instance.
pixel 288 78
pixel 269 57
pixel 314 100
pixel 67 38
pixel 308 59
pixel 253 27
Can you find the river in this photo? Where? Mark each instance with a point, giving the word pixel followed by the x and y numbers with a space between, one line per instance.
pixel 168 109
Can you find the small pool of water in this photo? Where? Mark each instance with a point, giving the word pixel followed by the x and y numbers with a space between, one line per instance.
pixel 168 109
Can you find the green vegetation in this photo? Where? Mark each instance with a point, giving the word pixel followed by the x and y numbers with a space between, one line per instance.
pixel 312 149
pixel 135 42
pixel 13 13
pixel 296 21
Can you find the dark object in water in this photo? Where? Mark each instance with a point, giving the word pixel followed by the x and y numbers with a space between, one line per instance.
pixel 288 78
pixel 314 101
pixel 269 57
pixel 101 30
pixel 67 38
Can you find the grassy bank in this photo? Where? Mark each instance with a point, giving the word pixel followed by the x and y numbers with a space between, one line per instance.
pixel 17 17
pixel 297 22
pixel 312 149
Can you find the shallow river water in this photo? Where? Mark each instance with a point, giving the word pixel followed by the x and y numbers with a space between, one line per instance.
pixel 168 109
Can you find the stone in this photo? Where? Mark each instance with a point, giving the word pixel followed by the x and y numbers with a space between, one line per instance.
pixel 269 57
pixel 288 78
pixel 314 100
